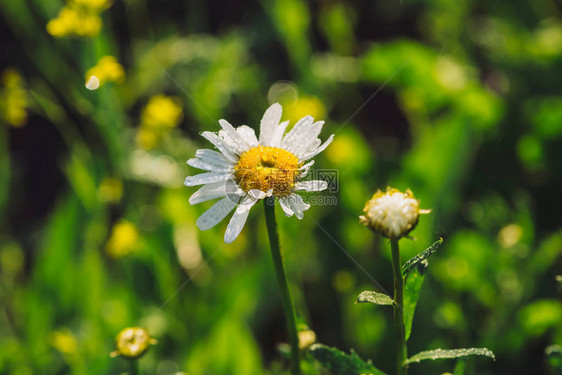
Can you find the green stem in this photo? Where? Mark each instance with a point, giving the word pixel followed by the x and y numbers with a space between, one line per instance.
pixel 288 307
pixel 401 350
pixel 134 364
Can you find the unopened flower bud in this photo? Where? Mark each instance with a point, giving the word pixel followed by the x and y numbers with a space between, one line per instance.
pixel 132 343
pixel 393 213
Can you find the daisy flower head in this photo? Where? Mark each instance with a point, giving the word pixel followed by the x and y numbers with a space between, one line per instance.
pixel 246 169
pixel 393 213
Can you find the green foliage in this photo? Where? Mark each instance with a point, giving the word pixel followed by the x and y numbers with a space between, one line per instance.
pixel 342 363
pixel 412 288
pixel 554 357
pixel 410 264
pixel 450 354
pixel 374 298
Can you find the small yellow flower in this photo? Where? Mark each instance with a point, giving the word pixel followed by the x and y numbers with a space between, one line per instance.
pixel 306 105
pixel 132 343
pixel 64 341
pixel 393 213
pixel 162 112
pixel 13 98
pixel 107 69
pixel 78 17
pixel 110 189
pixel 123 240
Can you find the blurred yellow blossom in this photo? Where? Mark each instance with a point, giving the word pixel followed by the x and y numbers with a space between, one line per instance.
pixel 107 69
pixel 160 114
pixel 304 106
pixel 64 341
pixel 132 343
pixel 13 98
pixel 510 235
pixel 110 189
pixel 342 150
pixel 123 239
pixel 78 17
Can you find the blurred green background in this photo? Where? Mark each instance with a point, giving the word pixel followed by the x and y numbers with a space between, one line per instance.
pixel 458 100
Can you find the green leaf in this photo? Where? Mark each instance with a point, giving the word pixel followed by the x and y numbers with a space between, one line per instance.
pixel 341 363
pixel 409 265
pixel 554 357
pixel 460 367
pixel 375 298
pixel 449 354
pixel 412 287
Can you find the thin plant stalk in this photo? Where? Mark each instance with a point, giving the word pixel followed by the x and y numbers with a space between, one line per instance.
pixel 286 299
pixel 134 366
pixel 401 350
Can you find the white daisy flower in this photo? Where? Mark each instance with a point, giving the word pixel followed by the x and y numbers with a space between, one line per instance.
pixel 245 170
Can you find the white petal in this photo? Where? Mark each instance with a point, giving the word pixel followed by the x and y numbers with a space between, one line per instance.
pixel 206 178
pixel 297 205
pixel 214 157
pixel 234 135
pixel 216 213
pixel 215 190
pixel 221 145
pixel 258 194
pixel 314 185
pixel 305 169
pixel 318 150
pixel 200 164
pixel 248 134
pixel 295 134
pixel 269 122
pixel 239 219
pixel 286 207
pixel 308 139
pixel 230 143
pixel 278 134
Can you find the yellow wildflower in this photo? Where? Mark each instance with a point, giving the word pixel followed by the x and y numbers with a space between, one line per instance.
pixel 160 114
pixel 306 105
pixel 13 98
pixel 132 343
pixel 110 189
pixel 78 17
pixel 64 341
pixel 107 69
pixel 123 239
pixel 75 20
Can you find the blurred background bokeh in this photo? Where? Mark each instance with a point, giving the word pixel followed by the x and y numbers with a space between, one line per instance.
pixel 101 104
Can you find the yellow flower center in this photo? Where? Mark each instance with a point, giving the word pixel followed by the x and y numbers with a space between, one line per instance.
pixel 265 168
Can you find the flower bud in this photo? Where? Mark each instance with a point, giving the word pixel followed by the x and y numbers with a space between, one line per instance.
pixel 393 213
pixel 132 343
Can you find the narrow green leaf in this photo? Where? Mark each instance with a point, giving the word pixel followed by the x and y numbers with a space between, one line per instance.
pixel 449 354
pixel 460 367
pixel 375 298
pixel 409 265
pixel 341 363
pixel 554 357
pixel 412 288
